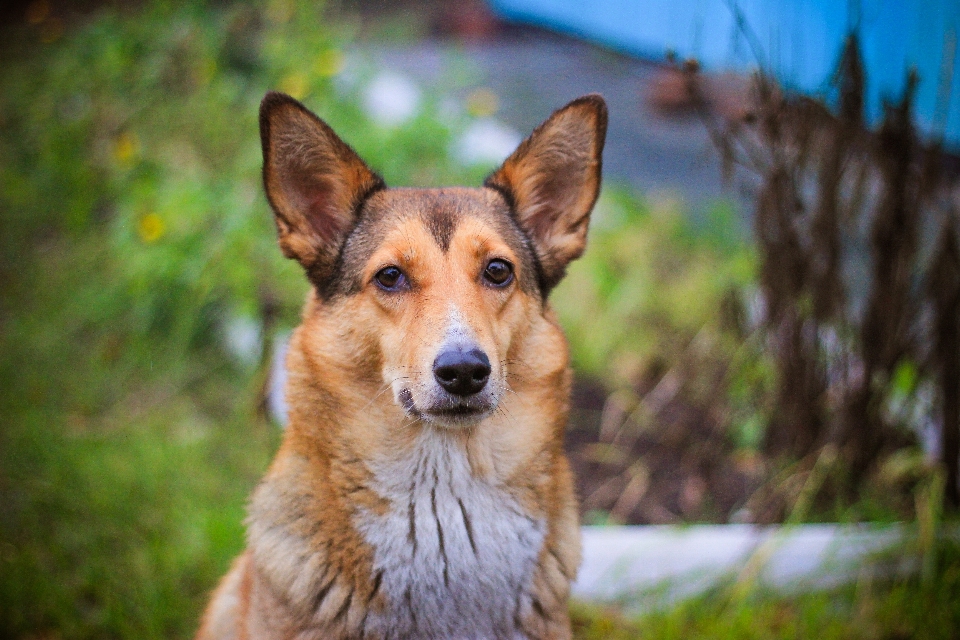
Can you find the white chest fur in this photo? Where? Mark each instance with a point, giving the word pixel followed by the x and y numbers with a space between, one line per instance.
pixel 454 553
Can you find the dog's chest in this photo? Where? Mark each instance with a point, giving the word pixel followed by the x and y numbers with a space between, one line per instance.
pixel 454 554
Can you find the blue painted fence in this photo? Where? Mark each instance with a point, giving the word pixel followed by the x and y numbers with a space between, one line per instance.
pixel 799 41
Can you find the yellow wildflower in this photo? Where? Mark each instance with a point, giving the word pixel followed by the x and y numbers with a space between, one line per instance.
pixel 329 63
pixel 126 148
pixel 151 228
pixel 482 103
pixel 295 85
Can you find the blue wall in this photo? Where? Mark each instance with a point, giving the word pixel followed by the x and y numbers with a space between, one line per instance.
pixel 800 41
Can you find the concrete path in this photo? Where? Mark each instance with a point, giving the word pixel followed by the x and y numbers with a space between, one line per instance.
pixel 534 73
pixel 676 562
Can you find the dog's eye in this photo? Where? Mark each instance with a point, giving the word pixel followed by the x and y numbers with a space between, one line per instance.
pixel 391 279
pixel 498 273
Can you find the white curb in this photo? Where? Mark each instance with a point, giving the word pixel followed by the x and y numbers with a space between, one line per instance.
pixel 680 562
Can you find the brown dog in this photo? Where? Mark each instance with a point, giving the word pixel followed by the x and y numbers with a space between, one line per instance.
pixel 421 490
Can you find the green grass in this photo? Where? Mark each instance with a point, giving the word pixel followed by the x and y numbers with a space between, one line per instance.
pixel 120 533
pixel 125 459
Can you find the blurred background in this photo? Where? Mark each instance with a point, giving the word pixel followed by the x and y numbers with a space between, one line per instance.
pixel 765 327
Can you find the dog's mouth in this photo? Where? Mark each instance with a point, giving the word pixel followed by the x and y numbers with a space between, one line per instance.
pixel 456 416
pixel 457 412
pixel 448 412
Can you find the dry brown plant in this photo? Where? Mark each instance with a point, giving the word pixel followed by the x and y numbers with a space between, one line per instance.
pixel 857 233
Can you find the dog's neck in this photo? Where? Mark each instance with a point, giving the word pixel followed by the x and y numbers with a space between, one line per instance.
pixel 448 531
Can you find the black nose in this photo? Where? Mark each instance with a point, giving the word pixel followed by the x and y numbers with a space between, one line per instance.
pixel 462 373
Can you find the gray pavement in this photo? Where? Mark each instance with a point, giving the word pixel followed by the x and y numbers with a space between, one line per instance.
pixel 535 73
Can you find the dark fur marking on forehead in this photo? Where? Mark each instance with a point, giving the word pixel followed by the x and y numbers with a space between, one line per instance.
pixel 442 222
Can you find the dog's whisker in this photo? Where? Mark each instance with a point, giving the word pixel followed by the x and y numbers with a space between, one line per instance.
pixel 381 390
pixel 519 397
pixel 518 362
pixel 409 423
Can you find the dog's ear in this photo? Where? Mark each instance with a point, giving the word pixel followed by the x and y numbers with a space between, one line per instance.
pixel 315 183
pixel 552 181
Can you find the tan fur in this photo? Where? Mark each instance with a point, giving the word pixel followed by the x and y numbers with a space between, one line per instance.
pixel 321 559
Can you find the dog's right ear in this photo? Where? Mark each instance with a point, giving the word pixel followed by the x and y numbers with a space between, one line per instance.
pixel 315 183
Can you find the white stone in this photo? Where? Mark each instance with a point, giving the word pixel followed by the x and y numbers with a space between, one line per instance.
pixel 486 141
pixel 391 99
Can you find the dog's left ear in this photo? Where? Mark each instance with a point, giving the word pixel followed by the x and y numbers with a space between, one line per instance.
pixel 552 181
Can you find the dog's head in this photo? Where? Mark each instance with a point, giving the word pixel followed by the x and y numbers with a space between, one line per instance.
pixel 433 292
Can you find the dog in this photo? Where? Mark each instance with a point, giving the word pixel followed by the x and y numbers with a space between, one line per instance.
pixel 421 489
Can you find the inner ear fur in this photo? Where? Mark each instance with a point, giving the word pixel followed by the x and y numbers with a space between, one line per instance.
pixel 552 182
pixel 314 181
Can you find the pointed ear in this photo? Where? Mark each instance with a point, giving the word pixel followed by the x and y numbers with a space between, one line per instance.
pixel 315 183
pixel 552 181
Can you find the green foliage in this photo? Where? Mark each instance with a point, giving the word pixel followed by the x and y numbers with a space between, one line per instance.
pixel 123 464
pixel 648 283
pixel 121 532
pixel 143 129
